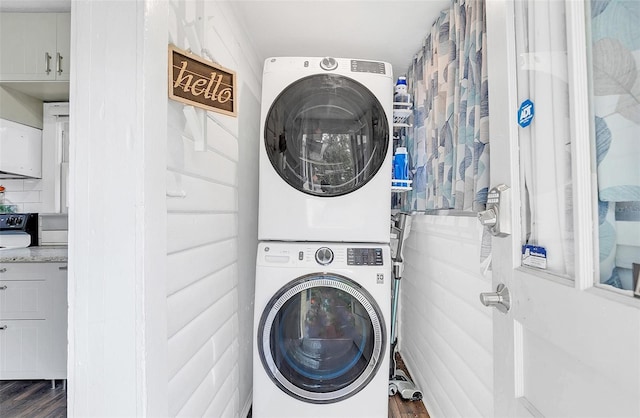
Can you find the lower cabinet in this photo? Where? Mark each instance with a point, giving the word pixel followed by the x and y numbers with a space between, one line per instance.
pixel 33 321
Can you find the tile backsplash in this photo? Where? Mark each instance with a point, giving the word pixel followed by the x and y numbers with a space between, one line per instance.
pixel 25 193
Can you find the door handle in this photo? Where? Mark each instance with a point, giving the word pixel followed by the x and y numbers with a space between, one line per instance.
pixel 496 218
pixel 47 61
pixel 500 299
pixel 58 63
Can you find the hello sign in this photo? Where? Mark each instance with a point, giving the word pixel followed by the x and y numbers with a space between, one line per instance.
pixel 201 83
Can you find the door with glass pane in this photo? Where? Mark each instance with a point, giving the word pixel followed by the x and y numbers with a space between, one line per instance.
pixel 567 346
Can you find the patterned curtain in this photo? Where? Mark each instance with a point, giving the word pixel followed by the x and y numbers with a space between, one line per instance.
pixel 450 141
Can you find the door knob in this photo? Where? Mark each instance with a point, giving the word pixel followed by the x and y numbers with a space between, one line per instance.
pixel 499 299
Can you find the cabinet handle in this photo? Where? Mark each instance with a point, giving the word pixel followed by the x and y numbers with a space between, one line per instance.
pixel 58 63
pixel 3 327
pixel 3 269
pixel 3 287
pixel 63 267
pixel 47 60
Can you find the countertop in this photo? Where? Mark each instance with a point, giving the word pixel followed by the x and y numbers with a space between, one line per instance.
pixel 49 253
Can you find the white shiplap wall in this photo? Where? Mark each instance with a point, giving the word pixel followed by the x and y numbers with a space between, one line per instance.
pixel 211 227
pixel 446 335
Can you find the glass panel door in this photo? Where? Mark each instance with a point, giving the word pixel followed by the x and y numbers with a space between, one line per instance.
pixel 544 136
pixel 615 65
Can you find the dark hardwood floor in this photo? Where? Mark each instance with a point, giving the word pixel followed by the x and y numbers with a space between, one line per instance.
pixel 32 398
pixel 400 408
pixel 36 399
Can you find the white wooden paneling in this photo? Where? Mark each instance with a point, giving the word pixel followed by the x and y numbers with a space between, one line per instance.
pixel 187 267
pixel 188 230
pixel 445 335
pixel 210 364
pixel 194 194
pixel 184 384
pixel 214 327
pixel 226 383
pixel 184 306
pixel 220 138
pixel 208 217
pixel 207 165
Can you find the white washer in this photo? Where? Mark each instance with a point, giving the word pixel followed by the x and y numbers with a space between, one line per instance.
pixel 326 149
pixel 321 329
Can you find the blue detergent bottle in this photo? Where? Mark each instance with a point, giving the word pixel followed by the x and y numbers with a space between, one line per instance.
pixel 400 167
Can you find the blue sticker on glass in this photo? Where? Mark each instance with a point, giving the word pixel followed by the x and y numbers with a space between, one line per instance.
pixel 525 113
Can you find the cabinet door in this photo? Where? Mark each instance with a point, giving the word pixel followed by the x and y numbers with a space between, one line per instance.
pixel 33 321
pixel 28 46
pixel 63 46
pixel 24 299
pixel 57 353
pixel 22 348
pixel 27 271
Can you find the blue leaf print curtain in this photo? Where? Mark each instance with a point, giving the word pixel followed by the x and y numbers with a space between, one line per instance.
pixel 615 31
pixel 450 141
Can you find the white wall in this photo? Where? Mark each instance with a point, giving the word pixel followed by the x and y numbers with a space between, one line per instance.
pixel 117 215
pixel 445 333
pixel 162 238
pixel 212 227
pixel 41 195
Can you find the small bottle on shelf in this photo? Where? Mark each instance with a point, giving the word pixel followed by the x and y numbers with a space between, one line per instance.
pixel 401 102
pixel 401 94
pixel 400 167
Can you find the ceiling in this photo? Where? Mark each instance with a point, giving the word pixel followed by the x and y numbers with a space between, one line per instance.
pixel 382 30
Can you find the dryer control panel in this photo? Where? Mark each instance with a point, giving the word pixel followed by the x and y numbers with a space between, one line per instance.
pixel 364 257
pixel 359 66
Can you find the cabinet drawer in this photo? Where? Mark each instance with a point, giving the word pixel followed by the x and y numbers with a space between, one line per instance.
pixel 22 345
pixel 31 271
pixel 28 299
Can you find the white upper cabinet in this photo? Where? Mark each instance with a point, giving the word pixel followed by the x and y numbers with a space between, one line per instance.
pixel 34 46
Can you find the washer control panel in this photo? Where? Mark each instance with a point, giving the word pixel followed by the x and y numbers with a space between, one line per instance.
pixel 364 257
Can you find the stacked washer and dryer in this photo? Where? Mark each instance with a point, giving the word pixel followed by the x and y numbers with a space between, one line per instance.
pixel 323 273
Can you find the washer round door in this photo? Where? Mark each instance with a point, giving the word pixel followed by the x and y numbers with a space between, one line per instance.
pixel 321 338
pixel 326 135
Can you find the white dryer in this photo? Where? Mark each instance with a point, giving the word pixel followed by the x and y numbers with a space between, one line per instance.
pixel 321 329
pixel 325 155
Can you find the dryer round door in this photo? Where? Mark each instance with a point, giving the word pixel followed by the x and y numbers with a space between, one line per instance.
pixel 326 135
pixel 321 338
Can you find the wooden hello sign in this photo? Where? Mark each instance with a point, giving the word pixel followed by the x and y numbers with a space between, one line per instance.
pixel 201 83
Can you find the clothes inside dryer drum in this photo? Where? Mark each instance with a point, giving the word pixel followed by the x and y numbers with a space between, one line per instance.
pixel 321 338
pixel 326 135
